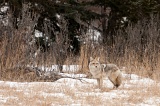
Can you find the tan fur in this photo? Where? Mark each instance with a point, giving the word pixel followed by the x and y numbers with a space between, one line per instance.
pixel 100 71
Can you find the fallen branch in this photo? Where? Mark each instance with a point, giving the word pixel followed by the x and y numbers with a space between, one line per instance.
pixel 81 80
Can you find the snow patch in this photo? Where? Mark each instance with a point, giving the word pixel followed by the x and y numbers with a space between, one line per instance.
pixel 68 89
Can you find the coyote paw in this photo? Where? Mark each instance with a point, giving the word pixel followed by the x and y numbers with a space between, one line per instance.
pixel 116 86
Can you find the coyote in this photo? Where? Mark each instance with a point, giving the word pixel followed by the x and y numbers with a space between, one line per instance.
pixel 99 71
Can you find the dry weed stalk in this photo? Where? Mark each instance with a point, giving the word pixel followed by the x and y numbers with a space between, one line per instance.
pixel 17 43
pixel 137 48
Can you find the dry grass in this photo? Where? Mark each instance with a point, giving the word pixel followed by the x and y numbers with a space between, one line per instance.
pixel 136 48
pixel 47 94
pixel 140 56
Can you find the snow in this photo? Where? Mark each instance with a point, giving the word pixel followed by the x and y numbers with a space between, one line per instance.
pixel 4 8
pixel 92 35
pixel 58 16
pixel 38 33
pixel 66 68
pixel 135 90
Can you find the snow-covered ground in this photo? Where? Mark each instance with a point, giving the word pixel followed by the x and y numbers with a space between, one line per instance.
pixel 135 91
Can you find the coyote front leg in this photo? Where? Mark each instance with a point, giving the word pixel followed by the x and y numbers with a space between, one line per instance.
pixel 100 82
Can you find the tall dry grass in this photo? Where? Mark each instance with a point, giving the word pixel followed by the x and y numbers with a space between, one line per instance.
pixel 18 46
pixel 136 48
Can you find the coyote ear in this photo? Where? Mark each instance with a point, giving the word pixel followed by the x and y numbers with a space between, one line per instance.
pixel 91 58
pixel 103 65
pixel 98 58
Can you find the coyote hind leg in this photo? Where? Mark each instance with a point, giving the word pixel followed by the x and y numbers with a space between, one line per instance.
pixel 116 80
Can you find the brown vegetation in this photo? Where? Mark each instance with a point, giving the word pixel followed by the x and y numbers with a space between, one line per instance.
pixel 136 48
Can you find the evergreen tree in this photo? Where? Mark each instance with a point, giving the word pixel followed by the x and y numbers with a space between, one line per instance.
pixel 79 14
pixel 131 10
pixel 49 9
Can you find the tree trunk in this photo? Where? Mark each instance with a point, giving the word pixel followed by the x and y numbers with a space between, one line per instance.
pixel 105 11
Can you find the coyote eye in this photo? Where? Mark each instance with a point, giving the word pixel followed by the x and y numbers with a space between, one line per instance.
pixel 95 64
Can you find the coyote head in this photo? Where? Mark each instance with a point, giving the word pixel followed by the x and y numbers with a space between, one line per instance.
pixel 94 64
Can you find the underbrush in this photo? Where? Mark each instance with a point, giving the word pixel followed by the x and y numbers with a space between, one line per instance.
pixel 137 48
